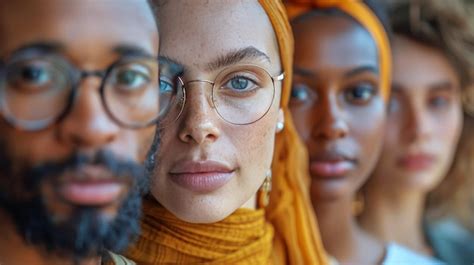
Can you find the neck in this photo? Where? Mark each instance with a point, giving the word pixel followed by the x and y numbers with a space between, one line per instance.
pixel 15 251
pixel 395 216
pixel 342 237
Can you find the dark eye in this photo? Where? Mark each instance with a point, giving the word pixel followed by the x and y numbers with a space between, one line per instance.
pixel 361 93
pixel 439 102
pixel 300 92
pixel 132 79
pixel 32 77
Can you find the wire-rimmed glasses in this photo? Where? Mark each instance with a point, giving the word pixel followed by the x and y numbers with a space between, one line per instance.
pixel 37 91
pixel 241 94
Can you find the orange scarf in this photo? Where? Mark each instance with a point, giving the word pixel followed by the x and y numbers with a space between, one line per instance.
pixel 297 239
pixel 242 238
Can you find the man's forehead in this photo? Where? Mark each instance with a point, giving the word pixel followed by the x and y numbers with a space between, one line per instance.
pixel 77 23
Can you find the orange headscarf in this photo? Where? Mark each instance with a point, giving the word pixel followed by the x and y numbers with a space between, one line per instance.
pixel 290 211
pixel 360 12
pixel 297 238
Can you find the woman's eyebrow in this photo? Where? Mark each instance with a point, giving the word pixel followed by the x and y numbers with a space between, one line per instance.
pixel 237 56
pixel 362 69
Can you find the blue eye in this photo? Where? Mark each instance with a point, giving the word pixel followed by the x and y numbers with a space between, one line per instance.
pixel 165 87
pixel 240 83
pixel 360 94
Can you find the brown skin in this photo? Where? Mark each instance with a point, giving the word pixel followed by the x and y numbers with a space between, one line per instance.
pixel 207 31
pixel 87 128
pixel 343 121
pixel 425 117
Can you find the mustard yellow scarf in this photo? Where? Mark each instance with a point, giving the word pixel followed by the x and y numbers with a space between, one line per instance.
pixel 242 238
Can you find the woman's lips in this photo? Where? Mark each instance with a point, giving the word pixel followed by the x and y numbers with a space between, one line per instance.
pixel 201 176
pixel 330 165
pixel 416 162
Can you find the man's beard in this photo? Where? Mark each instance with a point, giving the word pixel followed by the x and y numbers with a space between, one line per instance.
pixel 84 233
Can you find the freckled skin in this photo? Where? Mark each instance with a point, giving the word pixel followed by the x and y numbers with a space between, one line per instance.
pixel 208 30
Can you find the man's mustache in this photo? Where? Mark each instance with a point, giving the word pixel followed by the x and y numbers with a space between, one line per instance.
pixel 118 169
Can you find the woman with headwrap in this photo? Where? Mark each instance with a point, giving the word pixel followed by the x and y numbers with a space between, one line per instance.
pixel 433 64
pixel 340 89
pixel 227 66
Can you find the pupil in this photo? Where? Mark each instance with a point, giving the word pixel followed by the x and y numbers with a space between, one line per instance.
pixel 298 94
pixel 240 83
pixel 32 73
pixel 360 93
pixel 127 77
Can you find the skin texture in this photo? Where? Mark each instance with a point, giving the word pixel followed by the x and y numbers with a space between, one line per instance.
pixel 425 117
pixel 87 128
pixel 340 115
pixel 208 31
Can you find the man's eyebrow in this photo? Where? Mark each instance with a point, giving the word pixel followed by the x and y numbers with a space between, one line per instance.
pixel 39 47
pixel 171 66
pixel 131 50
pixel 362 69
pixel 237 56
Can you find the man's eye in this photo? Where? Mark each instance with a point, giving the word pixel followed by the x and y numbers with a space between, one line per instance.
pixel 36 75
pixel 132 79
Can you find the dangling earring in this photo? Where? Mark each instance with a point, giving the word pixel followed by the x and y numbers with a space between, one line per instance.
pixel 264 191
pixel 358 204
pixel 280 126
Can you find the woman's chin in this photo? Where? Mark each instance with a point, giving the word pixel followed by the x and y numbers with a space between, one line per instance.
pixel 202 210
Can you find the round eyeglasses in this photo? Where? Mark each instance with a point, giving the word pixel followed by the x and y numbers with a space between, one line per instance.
pixel 241 94
pixel 37 91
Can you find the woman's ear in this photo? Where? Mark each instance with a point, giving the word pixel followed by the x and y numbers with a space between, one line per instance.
pixel 280 121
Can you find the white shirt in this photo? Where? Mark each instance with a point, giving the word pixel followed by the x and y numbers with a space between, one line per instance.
pixel 400 255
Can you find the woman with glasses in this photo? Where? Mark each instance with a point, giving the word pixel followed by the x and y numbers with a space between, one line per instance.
pixel 433 57
pixel 226 68
pixel 340 90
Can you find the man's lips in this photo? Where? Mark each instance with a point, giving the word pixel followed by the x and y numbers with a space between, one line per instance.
pixel 201 176
pixel 416 162
pixel 331 165
pixel 91 186
pixel 90 193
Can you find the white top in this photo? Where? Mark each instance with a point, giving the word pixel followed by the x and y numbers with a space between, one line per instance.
pixel 400 255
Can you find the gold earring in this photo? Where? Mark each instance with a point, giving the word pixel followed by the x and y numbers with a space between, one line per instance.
pixel 264 191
